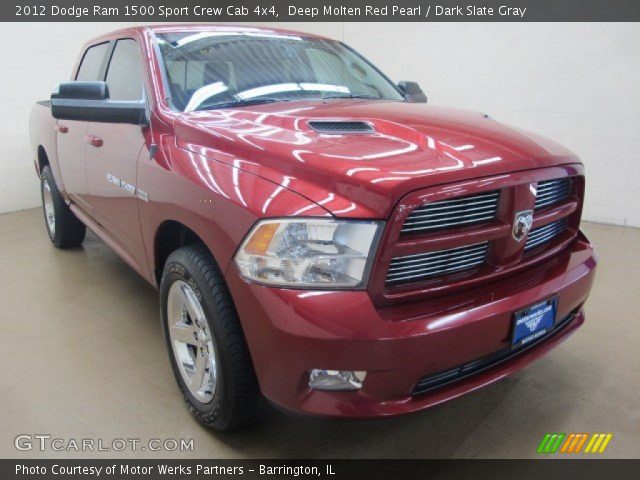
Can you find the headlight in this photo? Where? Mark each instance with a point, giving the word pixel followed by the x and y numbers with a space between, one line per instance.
pixel 309 252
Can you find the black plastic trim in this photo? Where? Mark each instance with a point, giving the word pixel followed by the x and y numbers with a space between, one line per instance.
pixel 341 127
pixel 447 377
pixel 105 111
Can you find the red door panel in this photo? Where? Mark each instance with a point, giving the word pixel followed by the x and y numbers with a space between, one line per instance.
pixel 71 136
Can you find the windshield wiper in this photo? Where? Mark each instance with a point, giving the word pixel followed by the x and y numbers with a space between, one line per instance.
pixel 371 97
pixel 242 103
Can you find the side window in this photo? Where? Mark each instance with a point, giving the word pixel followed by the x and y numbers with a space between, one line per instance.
pixel 91 62
pixel 124 76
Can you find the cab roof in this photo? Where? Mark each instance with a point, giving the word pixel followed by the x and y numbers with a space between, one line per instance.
pixel 208 27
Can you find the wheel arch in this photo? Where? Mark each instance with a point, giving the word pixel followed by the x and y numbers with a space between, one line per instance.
pixel 170 236
pixel 42 159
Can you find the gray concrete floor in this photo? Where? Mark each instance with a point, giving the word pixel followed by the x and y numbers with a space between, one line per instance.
pixel 82 357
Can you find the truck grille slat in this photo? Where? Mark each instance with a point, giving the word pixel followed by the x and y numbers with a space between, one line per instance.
pixel 541 235
pixel 446 224
pixel 552 192
pixel 430 217
pixel 452 220
pixel 409 259
pixel 550 184
pixel 552 197
pixel 542 203
pixel 551 189
pixel 452 213
pixel 443 204
pixel 560 192
pixel 420 276
pixel 440 262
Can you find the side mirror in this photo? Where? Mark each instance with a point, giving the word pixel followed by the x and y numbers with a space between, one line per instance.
pixel 89 102
pixel 412 92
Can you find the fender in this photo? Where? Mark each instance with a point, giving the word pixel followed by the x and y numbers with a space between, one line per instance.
pixel 217 201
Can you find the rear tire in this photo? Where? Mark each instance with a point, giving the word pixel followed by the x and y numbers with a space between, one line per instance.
pixel 207 349
pixel 63 227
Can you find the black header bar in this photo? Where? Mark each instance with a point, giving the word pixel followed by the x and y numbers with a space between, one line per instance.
pixel 321 10
pixel 583 469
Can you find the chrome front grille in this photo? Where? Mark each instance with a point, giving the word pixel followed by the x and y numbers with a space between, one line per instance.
pixel 436 247
pixel 461 211
pixel 552 192
pixel 541 235
pixel 412 268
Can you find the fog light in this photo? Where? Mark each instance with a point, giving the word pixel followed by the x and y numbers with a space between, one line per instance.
pixel 336 379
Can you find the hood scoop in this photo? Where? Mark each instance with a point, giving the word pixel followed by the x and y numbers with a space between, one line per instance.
pixel 339 127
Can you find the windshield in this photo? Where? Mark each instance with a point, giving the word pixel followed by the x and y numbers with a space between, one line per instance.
pixel 212 69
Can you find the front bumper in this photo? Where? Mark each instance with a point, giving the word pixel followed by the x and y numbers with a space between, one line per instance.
pixel 290 332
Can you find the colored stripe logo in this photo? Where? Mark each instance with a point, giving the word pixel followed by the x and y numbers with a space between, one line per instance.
pixel 574 443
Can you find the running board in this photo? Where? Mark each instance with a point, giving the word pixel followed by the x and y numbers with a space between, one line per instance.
pixel 100 232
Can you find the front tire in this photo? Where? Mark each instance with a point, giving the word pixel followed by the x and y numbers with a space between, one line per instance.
pixel 206 345
pixel 63 227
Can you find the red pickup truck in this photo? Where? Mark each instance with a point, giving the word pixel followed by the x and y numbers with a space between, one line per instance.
pixel 319 236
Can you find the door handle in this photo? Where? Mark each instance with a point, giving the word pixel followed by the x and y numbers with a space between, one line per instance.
pixel 95 141
pixel 62 128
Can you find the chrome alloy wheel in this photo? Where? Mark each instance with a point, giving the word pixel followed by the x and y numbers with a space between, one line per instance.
pixel 49 211
pixel 192 342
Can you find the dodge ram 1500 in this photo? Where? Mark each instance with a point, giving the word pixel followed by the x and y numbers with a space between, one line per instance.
pixel 321 238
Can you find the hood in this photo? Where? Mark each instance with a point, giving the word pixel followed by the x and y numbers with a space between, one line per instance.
pixel 358 174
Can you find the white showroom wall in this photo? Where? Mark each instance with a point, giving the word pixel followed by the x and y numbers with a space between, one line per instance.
pixel 577 83
pixel 35 57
